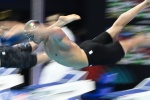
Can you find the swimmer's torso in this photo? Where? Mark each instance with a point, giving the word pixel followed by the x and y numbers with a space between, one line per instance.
pixel 65 52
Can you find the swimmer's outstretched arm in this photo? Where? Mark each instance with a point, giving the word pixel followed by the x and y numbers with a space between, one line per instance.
pixel 17 28
pixel 6 25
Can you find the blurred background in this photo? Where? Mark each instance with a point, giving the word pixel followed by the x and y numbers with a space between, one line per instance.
pixel 96 17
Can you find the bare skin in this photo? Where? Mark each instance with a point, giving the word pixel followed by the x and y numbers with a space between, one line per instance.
pixel 59 48
pixel 17 27
pixel 124 19
pixel 63 20
pixel 62 50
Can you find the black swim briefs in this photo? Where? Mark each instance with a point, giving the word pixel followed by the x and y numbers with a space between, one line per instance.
pixel 102 50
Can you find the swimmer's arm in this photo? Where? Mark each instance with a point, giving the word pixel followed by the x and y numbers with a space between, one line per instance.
pixel 26 46
pixel 58 35
pixel 14 30
pixel 33 45
pixel 125 18
pixel 42 57
pixel 6 25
